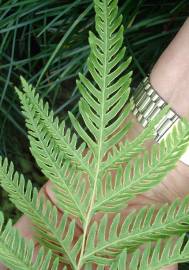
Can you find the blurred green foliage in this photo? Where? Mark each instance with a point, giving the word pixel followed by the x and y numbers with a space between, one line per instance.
pixel 46 41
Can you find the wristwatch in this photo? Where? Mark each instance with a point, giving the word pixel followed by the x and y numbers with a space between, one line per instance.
pixel 147 104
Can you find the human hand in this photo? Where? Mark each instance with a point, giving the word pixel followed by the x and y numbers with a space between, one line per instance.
pixel 170 78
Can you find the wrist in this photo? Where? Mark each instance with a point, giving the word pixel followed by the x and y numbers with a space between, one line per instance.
pixel 147 105
pixel 169 77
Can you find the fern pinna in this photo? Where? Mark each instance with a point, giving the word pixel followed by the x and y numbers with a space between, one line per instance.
pixel 81 174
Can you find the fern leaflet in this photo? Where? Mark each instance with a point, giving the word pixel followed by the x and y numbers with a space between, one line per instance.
pixel 17 254
pixel 163 254
pixel 44 216
pixel 62 139
pixel 147 224
pixel 145 172
pixel 70 185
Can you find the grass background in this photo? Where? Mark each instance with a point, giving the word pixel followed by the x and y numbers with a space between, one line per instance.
pixel 46 41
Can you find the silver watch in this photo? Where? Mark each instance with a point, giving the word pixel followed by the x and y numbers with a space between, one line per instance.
pixel 147 104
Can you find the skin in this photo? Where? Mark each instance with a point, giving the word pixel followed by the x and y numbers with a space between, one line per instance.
pixel 170 79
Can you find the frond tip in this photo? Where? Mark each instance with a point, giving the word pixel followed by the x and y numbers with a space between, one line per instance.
pixel 50 231
pixel 39 117
pixel 106 91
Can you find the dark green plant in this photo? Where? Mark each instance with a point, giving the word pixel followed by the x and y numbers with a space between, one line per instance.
pixel 81 175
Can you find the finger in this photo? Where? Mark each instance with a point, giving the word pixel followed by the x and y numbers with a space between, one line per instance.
pixel 173 267
pixel 48 189
pixel 24 226
pixel 2 267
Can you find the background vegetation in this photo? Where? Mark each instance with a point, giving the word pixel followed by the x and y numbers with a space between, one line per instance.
pixel 46 41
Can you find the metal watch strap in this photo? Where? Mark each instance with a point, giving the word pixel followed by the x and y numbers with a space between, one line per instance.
pixel 147 104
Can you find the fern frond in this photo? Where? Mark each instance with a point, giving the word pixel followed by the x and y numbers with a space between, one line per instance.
pixel 70 184
pixel 18 254
pixel 83 176
pixel 104 95
pixel 155 258
pixel 49 231
pixel 51 126
pixel 144 172
pixel 147 224
pixel 104 99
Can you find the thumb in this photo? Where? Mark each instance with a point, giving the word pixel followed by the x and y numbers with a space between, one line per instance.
pixel 173 267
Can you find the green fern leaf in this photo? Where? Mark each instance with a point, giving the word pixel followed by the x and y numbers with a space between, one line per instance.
pixel 145 172
pixel 49 231
pixel 60 136
pixel 155 258
pixel 102 100
pixel 104 94
pixel 141 226
pixel 17 253
pixel 67 181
